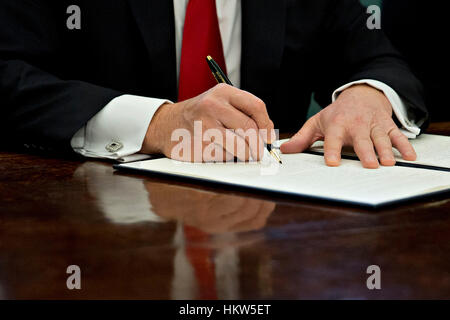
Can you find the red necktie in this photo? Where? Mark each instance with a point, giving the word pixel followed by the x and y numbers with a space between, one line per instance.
pixel 202 262
pixel 201 37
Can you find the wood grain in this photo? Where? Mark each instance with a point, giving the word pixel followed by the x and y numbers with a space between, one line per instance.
pixel 128 234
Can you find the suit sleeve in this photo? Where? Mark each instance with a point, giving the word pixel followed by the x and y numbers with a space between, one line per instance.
pixel 353 52
pixel 39 108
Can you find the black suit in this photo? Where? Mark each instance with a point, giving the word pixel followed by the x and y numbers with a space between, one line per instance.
pixel 419 30
pixel 53 80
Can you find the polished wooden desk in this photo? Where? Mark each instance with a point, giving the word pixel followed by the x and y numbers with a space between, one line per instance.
pixel 142 237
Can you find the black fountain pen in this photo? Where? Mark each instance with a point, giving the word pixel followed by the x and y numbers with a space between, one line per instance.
pixel 221 77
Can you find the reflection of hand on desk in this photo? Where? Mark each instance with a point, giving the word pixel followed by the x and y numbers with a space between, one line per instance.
pixel 213 213
pixel 127 200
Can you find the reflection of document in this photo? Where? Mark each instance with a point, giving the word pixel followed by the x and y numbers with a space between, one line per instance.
pixel 307 175
pixel 432 150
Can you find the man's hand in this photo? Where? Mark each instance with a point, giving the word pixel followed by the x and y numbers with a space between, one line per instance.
pixel 361 117
pixel 223 108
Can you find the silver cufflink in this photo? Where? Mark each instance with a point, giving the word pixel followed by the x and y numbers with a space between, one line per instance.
pixel 114 146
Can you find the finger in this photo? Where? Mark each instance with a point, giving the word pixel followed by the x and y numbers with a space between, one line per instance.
pixel 268 136
pixel 246 128
pixel 237 146
pixel 216 153
pixel 254 141
pixel 228 140
pixel 226 156
pixel 307 135
pixel 233 118
pixel 334 140
pixel 365 151
pixel 251 106
pixel 383 147
pixel 402 144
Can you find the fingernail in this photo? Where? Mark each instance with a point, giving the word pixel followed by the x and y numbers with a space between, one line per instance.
pixel 373 163
pixel 332 158
pixel 332 161
pixel 388 162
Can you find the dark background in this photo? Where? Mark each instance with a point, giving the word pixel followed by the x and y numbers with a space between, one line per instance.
pixel 419 31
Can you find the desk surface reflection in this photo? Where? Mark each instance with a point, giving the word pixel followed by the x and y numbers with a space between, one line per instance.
pixel 138 237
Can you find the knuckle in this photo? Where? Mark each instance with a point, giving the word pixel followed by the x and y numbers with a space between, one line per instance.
pixel 263 124
pixel 336 136
pixel 250 124
pixel 311 121
pixel 358 129
pixel 207 102
pixel 388 124
pixel 338 119
pixel 221 87
pixel 377 133
pixel 259 104
pixel 396 134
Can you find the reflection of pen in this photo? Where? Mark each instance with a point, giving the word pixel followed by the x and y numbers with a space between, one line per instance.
pixel 221 77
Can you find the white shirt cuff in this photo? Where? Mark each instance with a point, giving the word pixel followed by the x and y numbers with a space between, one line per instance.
pixel 118 130
pixel 409 127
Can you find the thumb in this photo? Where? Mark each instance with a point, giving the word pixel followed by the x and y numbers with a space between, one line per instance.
pixel 303 139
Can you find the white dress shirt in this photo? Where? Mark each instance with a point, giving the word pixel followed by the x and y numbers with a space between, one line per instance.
pixel 124 121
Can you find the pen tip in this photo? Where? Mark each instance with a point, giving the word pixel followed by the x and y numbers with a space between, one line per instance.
pixel 209 58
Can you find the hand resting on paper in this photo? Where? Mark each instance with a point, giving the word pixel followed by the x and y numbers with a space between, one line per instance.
pixel 361 117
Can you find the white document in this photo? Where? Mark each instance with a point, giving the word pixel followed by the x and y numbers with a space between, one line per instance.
pixel 432 150
pixel 307 175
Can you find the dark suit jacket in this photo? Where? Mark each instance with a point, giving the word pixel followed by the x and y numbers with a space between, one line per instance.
pixel 53 80
pixel 419 29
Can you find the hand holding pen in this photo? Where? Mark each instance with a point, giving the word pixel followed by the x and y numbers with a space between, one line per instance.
pixel 224 109
pixel 221 77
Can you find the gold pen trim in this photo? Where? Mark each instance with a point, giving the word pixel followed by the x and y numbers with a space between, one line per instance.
pixel 218 75
pixel 276 156
pixel 215 77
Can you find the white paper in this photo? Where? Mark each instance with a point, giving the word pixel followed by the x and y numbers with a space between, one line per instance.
pixel 432 150
pixel 307 175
